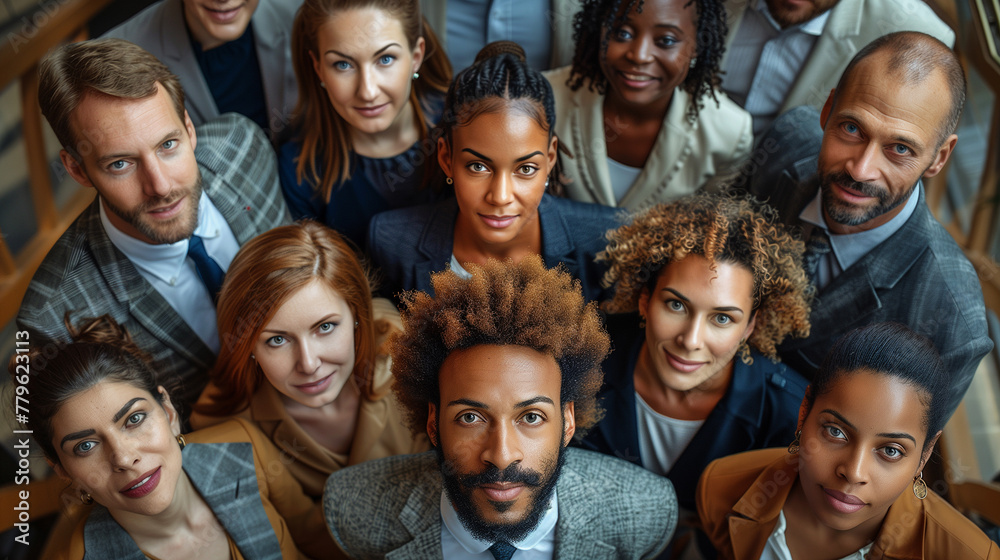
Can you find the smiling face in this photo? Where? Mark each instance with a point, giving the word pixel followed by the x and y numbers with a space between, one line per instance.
pixel 649 55
pixel 366 65
pixel 215 22
pixel 695 320
pixel 879 139
pixel 861 447
pixel 118 444
pixel 500 432
pixel 792 12
pixel 500 162
pixel 306 350
pixel 139 155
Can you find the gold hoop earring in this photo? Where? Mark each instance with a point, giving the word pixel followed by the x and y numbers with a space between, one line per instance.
pixel 448 180
pixel 744 350
pixel 86 498
pixel 181 441
pixel 919 486
pixel 793 448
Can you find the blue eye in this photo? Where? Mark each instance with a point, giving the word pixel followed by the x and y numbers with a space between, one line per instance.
pixel 118 165
pixel 675 305
pixel 136 419
pixel 723 319
pixel 276 340
pixel 851 128
pixel 169 144
pixel 386 59
pixel 327 327
pixel 835 432
pixel 83 447
pixel 901 149
pixel 342 65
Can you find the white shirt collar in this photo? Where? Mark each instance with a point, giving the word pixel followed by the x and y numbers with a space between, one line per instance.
pixel 849 248
pixel 812 27
pixel 475 546
pixel 164 260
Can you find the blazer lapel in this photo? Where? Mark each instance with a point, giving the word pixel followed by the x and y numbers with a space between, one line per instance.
pixel 224 475
pixel 557 241
pixel 422 519
pixel 436 245
pixel 591 150
pixel 179 53
pixel 573 537
pixel 104 538
pixel 835 46
pixel 272 42
pixel 756 514
pixel 670 150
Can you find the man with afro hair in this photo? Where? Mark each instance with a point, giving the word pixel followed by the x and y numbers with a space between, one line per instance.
pixel 501 371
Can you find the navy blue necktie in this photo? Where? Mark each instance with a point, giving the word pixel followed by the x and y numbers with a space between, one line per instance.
pixel 817 249
pixel 209 270
pixel 502 550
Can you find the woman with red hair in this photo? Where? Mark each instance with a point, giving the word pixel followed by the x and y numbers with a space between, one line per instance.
pixel 302 354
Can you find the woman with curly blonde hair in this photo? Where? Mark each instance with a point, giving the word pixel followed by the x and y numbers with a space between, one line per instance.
pixel 705 288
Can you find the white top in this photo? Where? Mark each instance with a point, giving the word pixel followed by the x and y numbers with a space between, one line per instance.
pixel 458 544
pixel 167 267
pixel 457 268
pixel 764 61
pixel 662 439
pixel 777 549
pixel 849 248
pixel 622 177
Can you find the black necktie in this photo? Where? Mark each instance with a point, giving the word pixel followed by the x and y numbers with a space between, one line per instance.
pixel 209 271
pixel 502 550
pixel 817 248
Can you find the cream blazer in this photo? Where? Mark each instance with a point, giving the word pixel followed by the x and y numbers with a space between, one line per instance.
pixel 686 156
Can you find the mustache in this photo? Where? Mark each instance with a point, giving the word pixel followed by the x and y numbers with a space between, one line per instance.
pixel 867 189
pixel 513 473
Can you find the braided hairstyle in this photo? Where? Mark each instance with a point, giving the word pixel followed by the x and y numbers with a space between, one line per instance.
pixel 498 80
pixel 597 19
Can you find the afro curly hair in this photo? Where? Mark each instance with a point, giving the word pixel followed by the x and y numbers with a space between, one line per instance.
pixel 504 303
pixel 722 228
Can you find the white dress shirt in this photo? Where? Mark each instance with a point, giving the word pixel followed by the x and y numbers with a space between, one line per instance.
pixel 458 544
pixel 167 267
pixel 764 61
pixel 848 249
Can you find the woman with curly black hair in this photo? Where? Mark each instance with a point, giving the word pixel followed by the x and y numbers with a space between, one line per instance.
pixel 705 288
pixel 638 110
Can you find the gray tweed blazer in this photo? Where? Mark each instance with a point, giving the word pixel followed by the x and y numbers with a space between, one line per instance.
pixel 918 277
pixel 85 274
pixel 608 508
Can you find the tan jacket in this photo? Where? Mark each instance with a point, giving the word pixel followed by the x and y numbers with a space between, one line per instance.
pixel 686 156
pixel 380 431
pixel 740 496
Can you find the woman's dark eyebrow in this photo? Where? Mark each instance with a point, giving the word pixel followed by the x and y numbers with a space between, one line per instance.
pixel 124 410
pixel 76 435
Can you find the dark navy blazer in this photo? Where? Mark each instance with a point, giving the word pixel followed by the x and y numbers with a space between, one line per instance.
pixel 411 243
pixel 760 409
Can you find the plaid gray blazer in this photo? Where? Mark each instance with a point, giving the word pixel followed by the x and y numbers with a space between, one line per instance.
pixel 918 277
pixel 224 475
pixel 608 508
pixel 86 275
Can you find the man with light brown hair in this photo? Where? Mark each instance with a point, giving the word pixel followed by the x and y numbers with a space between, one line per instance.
pixel 173 206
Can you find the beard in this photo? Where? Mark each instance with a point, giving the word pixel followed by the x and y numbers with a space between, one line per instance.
pixel 789 16
pixel 850 215
pixel 181 227
pixel 458 487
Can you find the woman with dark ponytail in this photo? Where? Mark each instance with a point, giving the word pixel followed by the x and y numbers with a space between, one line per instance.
pixel 639 110
pixel 142 489
pixel 371 78
pixel 497 147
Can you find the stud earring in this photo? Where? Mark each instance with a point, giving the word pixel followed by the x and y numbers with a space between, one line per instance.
pixel 793 448
pixel 694 62
pixel 919 486
pixel 355 324
pixel 449 180
pixel 322 85
pixel 86 498
pixel 252 357
pixel 181 441
pixel 416 75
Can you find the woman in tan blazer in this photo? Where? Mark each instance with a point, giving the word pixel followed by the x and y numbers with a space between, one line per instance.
pixel 302 354
pixel 638 111
pixel 850 486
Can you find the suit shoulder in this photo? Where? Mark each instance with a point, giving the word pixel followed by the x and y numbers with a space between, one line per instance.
pixel 220 135
pixel 142 28
pixel 741 469
pixel 947 531
pixel 617 476
pixel 881 17
pixel 588 215
pixel 780 377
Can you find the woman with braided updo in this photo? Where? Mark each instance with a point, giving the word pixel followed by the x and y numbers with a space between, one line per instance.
pixel 638 109
pixel 705 288
pixel 497 147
